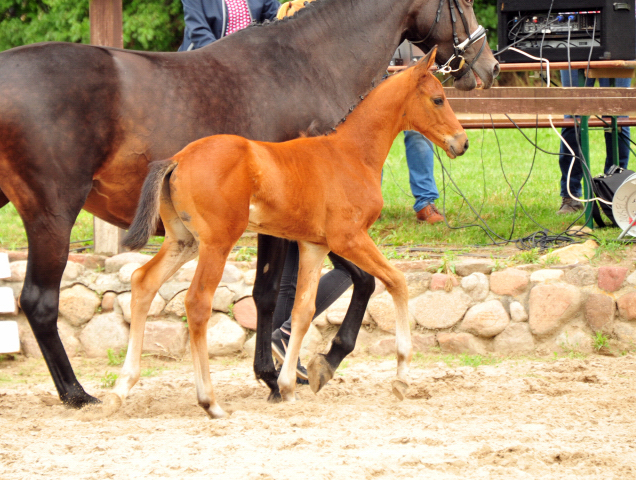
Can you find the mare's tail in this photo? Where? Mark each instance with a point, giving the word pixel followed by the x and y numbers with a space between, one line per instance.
pixel 147 215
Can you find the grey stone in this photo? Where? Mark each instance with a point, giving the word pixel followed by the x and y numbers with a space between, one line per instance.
pixel 573 338
pixel 581 276
pixel 176 306
pixel 625 332
pixel 165 338
pixel 631 279
pixel 546 275
pixel 69 338
pixel 460 343
pixel 108 301
pixel 249 277
pixel 78 304
pixel 113 264
pixel 468 267
pixel 108 283
pixel 476 285
pixel 485 319
pixel 312 343
pixel 72 271
pixel 186 272
pixel 28 344
pixel 126 271
pixel 123 305
pixel 225 337
pixel 18 271
pixel 231 274
pixel 518 312
pixel 627 306
pixel 551 306
pixel 223 298
pixel 437 310
pixel 417 282
pixel 515 339
pixel 249 346
pixel 103 332
pixel 382 311
pixel 170 289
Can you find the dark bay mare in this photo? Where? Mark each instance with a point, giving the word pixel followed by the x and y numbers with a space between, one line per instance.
pixel 79 125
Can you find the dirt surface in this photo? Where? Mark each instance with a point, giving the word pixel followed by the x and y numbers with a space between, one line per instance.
pixel 557 419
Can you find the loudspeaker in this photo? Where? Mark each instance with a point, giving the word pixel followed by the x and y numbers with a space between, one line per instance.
pixel 607 28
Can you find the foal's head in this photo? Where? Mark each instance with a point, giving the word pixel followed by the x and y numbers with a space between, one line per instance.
pixel 428 111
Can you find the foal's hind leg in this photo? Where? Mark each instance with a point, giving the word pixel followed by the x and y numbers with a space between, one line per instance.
pixel 322 367
pixel 199 308
pixel 310 265
pixel 145 283
pixel 363 252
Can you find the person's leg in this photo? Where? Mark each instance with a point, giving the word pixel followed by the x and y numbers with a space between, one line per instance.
pixel 569 205
pixel 420 159
pixel 331 286
pixel 624 133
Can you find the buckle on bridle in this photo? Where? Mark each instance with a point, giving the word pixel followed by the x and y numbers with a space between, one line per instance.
pixel 460 50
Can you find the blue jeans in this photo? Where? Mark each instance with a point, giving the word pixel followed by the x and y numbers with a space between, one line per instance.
pixel 421 160
pixel 569 79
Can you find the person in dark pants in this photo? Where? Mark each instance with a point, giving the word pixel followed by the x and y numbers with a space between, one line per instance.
pixel 570 78
pixel 331 286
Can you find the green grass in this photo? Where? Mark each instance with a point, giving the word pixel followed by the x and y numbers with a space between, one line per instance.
pixel 481 176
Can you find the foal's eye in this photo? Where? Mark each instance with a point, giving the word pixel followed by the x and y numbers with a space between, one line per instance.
pixel 438 101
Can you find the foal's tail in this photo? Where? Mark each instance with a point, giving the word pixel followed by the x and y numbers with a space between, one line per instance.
pixel 147 215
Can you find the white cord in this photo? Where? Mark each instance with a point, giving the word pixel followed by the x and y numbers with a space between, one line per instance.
pixel 559 134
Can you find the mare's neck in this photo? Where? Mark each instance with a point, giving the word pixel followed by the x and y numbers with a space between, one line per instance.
pixel 332 49
pixel 369 131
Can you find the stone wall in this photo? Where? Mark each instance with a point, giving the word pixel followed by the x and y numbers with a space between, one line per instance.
pixel 528 309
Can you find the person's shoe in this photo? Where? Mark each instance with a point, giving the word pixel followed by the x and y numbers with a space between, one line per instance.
pixel 430 214
pixel 569 205
pixel 279 349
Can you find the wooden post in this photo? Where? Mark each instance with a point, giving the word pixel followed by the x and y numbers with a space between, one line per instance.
pixel 106 30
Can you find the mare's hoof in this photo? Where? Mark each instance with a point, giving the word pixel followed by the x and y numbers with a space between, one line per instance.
pixel 80 400
pixel 274 397
pixel 319 372
pixel 111 404
pixel 399 388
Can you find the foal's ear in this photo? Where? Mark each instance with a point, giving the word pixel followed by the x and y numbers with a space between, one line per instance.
pixel 428 62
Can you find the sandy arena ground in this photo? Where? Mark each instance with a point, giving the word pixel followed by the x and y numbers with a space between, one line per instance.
pixel 550 419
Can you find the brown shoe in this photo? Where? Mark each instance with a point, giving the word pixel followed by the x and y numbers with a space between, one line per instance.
pixel 569 205
pixel 430 214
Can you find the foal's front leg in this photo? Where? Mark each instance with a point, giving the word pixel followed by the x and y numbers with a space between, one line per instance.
pixel 312 257
pixel 362 251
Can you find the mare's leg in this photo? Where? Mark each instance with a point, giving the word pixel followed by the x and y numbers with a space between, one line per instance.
pixel 199 308
pixel 310 265
pixel 269 268
pixel 363 252
pixel 322 367
pixel 48 219
pixel 145 283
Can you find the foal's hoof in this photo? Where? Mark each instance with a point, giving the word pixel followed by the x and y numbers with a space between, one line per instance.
pixel 319 372
pixel 274 397
pixel 399 388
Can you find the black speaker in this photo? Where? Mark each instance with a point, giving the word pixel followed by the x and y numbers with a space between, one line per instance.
pixel 606 27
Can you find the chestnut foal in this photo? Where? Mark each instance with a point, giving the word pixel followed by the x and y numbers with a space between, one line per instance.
pixel 323 192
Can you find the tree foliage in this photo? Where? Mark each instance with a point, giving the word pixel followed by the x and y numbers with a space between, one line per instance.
pixel 147 24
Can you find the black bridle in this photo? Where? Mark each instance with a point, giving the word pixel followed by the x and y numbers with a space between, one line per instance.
pixel 460 48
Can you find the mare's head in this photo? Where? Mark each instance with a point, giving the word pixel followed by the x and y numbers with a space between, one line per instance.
pixel 456 22
pixel 427 109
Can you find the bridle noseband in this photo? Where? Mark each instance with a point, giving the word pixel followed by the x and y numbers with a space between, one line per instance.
pixel 460 48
